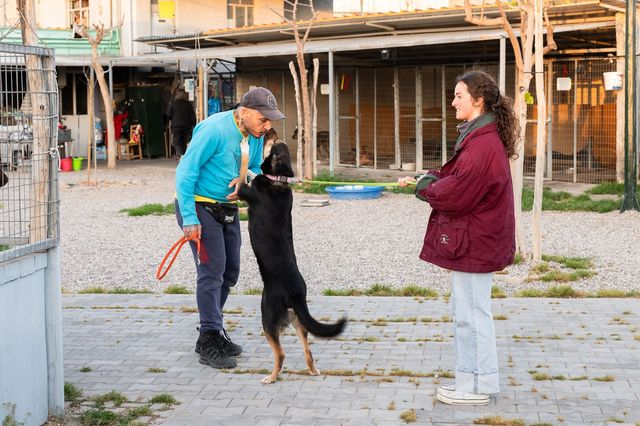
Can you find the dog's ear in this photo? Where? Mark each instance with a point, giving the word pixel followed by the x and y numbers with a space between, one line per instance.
pixel 281 162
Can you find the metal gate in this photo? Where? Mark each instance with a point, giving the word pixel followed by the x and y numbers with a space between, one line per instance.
pixel 29 205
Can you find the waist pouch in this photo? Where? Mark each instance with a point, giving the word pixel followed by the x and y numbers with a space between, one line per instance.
pixel 224 213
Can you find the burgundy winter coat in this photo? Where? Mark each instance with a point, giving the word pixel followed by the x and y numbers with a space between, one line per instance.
pixel 472 225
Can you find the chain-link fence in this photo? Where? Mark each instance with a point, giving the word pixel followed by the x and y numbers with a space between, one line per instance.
pixel 29 203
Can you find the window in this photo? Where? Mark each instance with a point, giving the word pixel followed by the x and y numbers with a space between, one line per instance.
pixel 79 13
pixel 240 13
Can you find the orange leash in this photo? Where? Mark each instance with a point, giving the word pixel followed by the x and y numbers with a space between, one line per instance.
pixel 175 249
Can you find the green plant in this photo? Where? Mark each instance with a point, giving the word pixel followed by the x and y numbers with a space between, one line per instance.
pixel 10 418
pixel 497 293
pixel 4 247
pixel 563 201
pixel 71 392
pixel 608 188
pixel 99 416
pixel 156 370
pixel 498 421
pixel 254 291
pixel 409 416
pixel 85 369
pixel 150 209
pixel 177 289
pixel 114 396
pixel 163 398
pixel 569 262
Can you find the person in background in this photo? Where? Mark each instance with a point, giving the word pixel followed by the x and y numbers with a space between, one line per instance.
pixel 183 118
pixel 207 182
pixel 471 229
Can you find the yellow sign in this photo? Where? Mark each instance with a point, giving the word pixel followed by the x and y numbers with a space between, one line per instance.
pixel 166 9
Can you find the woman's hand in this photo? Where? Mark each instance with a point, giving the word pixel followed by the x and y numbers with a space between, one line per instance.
pixel 406 181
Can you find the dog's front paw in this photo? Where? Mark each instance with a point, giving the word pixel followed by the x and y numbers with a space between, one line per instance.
pixel 269 379
pixel 314 372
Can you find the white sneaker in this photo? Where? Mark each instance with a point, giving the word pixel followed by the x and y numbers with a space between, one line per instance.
pixel 448 387
pixel 461 398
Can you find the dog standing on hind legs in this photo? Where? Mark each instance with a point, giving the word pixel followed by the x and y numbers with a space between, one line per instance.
pixel 284 297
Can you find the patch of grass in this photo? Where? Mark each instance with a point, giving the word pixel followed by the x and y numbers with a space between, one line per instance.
pixel 256 291
pixel 563 201
pixel 85 369
pixel 71 392
pixel 92 290
pixel 150 209
pixel 497 293
pixel 99 417
pixel 156 370
pixel 605 378
pixel 608 188
pixel 569 262
pixel 164 398
pixel 540 376
pixel 409 416
pixel 381 290
pixel 500 317
pixel 517 259
pixel 177 289
pixel 4 247
pixel 242 216
pixel 562 276
pixel 615 293
pixel 563 291
pixel 114 396
pixel 498 421
pixel 530 292
pixel 541 268
pixel 402 189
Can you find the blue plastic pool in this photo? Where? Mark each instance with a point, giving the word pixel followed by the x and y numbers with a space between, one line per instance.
pixel 354 192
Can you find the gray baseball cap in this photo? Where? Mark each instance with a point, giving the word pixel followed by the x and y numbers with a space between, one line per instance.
pixel 263 101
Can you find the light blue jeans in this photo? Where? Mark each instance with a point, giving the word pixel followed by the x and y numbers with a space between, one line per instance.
pixel 474 333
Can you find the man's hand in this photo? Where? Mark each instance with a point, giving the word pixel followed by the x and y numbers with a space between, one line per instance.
pixel 234 195
pixel 191 230
pixel 406 181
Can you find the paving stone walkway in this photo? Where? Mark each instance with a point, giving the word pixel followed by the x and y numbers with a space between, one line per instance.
pixel 383 365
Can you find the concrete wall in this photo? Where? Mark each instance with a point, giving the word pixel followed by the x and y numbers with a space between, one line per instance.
pixel 30 339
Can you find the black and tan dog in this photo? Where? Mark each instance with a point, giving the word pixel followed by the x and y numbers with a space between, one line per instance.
pixel 284 296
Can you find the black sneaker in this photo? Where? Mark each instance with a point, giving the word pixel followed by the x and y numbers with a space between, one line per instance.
pixel 212 353
pixel 228 346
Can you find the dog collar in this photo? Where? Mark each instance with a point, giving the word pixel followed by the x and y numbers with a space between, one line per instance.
pixel 285 179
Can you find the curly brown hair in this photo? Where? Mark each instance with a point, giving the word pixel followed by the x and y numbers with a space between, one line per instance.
pixel 482 85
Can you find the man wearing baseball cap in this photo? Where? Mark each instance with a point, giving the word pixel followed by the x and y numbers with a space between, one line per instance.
pixel 207 182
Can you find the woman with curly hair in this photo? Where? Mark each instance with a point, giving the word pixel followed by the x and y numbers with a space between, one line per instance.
pixel 471 229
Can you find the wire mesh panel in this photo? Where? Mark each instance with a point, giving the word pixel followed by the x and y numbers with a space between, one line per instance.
pixel 407 123
pixel 385 150
pixel 347 116
pixel 366 82
pixel 432 116
pixel 28 150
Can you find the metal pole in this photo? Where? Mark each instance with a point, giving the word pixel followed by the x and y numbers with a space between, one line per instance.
pixel 575 121
pixel 630 200
pixel 375 118
pixel 419 142
pixel 357 90
pixel 503 64
pixel 332 114
pixel 396 117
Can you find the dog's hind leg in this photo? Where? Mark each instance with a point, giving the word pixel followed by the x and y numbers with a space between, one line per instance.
pixel 308 357
pixel 278 355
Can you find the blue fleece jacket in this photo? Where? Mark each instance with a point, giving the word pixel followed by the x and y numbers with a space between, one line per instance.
pixel 211 162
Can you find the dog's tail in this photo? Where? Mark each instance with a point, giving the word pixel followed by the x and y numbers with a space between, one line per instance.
pixel 318 329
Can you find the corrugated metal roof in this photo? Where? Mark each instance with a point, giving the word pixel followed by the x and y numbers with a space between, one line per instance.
pixel 366 25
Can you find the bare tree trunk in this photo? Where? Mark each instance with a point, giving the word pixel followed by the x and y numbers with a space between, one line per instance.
pixel 540 140
pixel 104 91
pixel 301 131
pixel 40 125
pixel 92 129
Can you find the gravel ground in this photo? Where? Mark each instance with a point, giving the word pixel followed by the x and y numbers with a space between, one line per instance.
pixel 346 244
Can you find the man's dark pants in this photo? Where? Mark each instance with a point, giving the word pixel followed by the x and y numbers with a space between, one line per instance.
pixel 219 271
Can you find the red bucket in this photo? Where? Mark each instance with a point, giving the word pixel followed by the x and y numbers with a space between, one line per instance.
pixel 66 164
